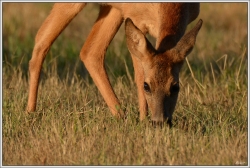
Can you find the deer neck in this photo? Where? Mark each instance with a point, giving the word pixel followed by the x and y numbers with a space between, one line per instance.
pixel 173 20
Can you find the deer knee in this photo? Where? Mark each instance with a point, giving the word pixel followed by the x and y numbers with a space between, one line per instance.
pixel 92 59
pixel 38 55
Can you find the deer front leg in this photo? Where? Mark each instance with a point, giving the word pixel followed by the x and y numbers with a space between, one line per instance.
pixel 139 79
pixel 60 16
pixel 93 53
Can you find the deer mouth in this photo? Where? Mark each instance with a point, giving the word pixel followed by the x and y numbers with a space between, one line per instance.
pixel 167 122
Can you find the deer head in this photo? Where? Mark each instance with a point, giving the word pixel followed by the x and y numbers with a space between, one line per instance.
pixel 161 69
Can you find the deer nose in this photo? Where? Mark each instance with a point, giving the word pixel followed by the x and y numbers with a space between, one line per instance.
pixel 160 122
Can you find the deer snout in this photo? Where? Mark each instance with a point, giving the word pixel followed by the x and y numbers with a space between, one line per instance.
pixel 160 123
pixel 160 120
pixel 162 110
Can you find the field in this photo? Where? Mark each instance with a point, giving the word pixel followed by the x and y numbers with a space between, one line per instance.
pixel 73 125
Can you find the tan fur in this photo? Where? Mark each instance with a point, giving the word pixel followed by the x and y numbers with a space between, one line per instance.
pixel 157 66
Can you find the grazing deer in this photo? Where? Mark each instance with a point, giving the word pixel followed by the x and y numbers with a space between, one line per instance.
pixel 156 68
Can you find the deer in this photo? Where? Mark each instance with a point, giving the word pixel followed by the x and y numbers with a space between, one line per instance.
pixel 156 69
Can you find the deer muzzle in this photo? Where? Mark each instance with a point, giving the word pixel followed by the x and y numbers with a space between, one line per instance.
pixel 162 111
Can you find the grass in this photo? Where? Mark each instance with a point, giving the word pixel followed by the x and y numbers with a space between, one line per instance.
pixel 73 125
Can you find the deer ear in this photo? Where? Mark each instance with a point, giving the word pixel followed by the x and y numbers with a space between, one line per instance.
pixel 137 43
pixel 186 44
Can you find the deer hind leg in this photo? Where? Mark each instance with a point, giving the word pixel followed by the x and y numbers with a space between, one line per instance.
pixel 139 79
pixel 58 19
pixel 93 53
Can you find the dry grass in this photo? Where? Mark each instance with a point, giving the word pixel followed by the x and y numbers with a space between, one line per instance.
pixel 73 126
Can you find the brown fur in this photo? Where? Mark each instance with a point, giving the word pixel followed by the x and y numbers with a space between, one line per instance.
pixel 158 66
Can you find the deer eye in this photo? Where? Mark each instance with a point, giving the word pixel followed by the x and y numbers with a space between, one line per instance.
pixel 175 88
pixel 146 87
